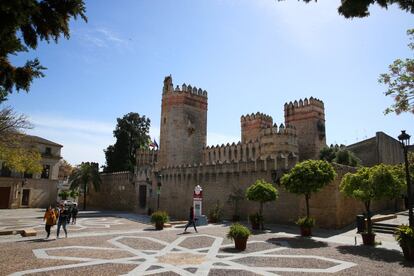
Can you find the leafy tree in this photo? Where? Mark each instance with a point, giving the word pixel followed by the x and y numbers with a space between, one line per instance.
pixel 400 82
pixel 21 160
pixel 368 184
pixel 65 169
pixel 11 126
pixel 262 192
pixel 340 155
pixel 85 175
pixel 359 8
pixel 308 177
pixel 131 133
pixel 23 23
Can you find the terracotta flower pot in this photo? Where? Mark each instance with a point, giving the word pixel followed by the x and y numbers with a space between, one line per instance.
pixel 408 252
pixel 159 225
pixel 240 243
pixel 305 231
pixel 368 238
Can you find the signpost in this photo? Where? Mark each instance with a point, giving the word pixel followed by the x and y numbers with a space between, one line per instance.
pixel 198 206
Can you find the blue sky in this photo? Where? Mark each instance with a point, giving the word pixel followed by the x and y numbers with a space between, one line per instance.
pixel 249 55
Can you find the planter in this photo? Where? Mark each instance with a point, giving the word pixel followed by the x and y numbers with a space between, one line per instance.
pixel 408 252
pixel 159 225
pixel 305 231
pixel 240 243
pixel 368 238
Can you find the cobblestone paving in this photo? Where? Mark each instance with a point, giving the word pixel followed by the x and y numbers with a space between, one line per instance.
pixel 134 248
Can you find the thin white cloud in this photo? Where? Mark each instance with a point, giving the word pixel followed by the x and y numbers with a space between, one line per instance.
pixel 101 37
pixel 214 139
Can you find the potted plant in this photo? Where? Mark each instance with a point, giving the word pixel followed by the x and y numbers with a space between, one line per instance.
pixel 262 192
pixel 159 218
pixel 306 224
pixel 256 220
pixel 405 238
pixel 239 234
pixel 368 184
pixel 306 178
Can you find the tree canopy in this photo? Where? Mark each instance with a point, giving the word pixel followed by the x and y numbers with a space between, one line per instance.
pixel 20 159
pixel 85 175
pixel 308 177
pixel 359 8
pixel 340 155
pixel 23 23
pixel 374 183
pixel 400 82
pixel 131 133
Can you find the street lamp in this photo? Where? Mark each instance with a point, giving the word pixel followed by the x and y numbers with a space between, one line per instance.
pixel 158 190
pixel 405 143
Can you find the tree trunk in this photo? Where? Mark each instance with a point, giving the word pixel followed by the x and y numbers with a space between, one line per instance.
pixel 307 205
pixel 367 207
pixel 84 196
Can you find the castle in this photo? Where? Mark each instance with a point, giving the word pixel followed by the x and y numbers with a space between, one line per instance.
pixel 166 178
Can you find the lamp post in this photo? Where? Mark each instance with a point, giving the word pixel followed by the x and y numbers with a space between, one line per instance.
pixel 158 190
pixel 405 143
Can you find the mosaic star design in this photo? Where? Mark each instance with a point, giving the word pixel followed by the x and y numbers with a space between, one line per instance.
pixel 179 257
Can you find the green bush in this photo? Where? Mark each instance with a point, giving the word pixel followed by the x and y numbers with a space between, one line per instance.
pixel 215 214
pixel 256 218
pixel 405 236
pixel 159 216
pixel 306 222
pixel 238 231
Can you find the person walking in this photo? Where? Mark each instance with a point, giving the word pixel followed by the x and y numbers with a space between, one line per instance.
pixel 74 213
pixel 62 220
pixel 50 219
pixel 191 220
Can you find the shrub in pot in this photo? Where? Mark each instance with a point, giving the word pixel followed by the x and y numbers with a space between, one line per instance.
pixel 405 238
pixel 159 218
pixel 239 234
pixel 306 224
pixel 256 220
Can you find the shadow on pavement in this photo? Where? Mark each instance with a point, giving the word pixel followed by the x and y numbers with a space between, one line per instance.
pixel 298 242
pixel 377 254
pixel 38 240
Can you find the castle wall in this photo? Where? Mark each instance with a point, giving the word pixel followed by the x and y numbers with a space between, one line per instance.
pixel 252 125
pixel 117 192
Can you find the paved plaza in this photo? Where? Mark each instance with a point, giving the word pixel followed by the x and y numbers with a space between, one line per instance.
pixel 117 243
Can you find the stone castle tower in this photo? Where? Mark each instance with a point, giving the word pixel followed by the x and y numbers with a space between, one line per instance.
pixel 183 128
pixel 252 126
pixel 308 117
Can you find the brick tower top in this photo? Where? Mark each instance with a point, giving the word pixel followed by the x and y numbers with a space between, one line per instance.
pixel 308 117
pixel 253 124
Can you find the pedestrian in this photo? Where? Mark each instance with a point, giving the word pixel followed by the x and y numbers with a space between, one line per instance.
pixel 191 220
pixel 74 213
pixel 62 220
pixel 50 219
pixel 69 214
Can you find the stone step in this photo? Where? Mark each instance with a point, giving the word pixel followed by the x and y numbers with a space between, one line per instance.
pixel 29 232
pixel 178 222
pixel 378 218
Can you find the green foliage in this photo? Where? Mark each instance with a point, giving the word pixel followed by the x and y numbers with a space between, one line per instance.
pixel 306 222
pixel 359 8
pixel 73 193
pixel 340 155
pixel 405 236
pixel 159 216
pixel 131 134
pixel 238 231
pixel 64 194
pixel 256 218
pixel 308 177
pixel 262 191
pixel 23 23
pixel 400 82
pixel 20 159
pixel 84 175
pixel 215 214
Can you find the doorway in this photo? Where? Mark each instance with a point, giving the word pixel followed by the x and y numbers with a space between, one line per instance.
pixel 142 196
pixel 4 197
pixel 25 197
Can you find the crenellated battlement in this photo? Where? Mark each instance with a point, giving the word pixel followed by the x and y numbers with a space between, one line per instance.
pixel 303 106
pixel 189 90
pixel 146 157
pixel 254 117
pixel 282 130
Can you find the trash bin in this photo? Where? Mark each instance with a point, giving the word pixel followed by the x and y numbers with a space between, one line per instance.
pixel 360 223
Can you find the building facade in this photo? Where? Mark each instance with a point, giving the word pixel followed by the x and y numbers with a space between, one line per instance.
pixel 32 190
